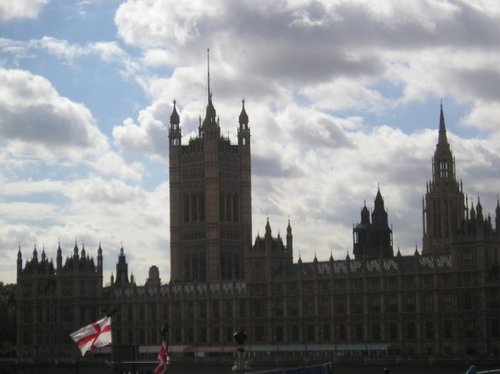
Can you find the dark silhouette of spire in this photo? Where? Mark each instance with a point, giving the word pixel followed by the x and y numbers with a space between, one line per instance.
pixel 122 269
pixel 35 254
pixel 479 209
pixel 497 218
pixel 19 260
pixel 379 201
pixel 444 209
pixel 379 215
pixel 373 240
pixel 243 115
pixel 442 140
pixel 268 229
pixel 289 237
pixel 365 215
pixel 174 117
pixel 175 131
pixel 59 257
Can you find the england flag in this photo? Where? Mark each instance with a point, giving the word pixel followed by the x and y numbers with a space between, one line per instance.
pixel 95 335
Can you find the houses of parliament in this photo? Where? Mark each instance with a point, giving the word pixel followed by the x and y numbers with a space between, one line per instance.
pixel 443 301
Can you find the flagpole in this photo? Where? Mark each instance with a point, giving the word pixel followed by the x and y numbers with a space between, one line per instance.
pixel 164 335
pixel 109 313
pixel 163 359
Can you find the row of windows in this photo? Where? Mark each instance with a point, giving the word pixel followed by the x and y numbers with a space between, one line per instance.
pixel 194 209
pixel 293 307
pixel 362 285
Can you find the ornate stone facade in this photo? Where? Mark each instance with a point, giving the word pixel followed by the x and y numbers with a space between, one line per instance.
pixel 444 301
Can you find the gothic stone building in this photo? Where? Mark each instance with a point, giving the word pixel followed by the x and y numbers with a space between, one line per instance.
pixel 444 301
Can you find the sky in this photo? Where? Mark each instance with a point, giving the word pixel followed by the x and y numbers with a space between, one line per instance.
pixel 343 98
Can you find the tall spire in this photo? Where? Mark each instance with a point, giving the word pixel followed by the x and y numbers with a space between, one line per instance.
pixel 442 128
pixel 443 163
pixel 211 115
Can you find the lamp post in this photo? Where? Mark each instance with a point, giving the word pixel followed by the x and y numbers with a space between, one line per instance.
pixel 240 338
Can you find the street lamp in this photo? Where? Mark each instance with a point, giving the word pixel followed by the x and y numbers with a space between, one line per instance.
pixel 240 338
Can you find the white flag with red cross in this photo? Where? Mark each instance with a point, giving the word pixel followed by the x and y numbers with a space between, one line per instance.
pixel 95 335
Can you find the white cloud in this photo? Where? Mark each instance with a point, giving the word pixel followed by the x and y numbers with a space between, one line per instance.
pixel 36 121
pixel 18 9
pixel 328 86
pixel 486 116
pixel 149 135
pixel 158 23
pixel 108 51
pixel 89 210
pixel 342 47
pixel 32 112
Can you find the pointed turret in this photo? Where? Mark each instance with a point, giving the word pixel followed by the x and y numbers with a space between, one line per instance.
pixel 268 229
pixel 99 259
pixel 472 213
pixel 379 215
pixel 174 117
pixel 59 257
pixel 289 238
pixel 365 215
pixel 19 260
pixel 122 269
pixel 243 130
pixel 35 255
pixel 479 210
pixel 243 115
pixel 497 218
pixel 174 132
pixel 75 250
pixel 210 123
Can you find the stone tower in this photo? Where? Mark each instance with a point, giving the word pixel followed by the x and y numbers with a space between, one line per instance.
pixel 210 200
pixel 443 207
pixel 373 239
